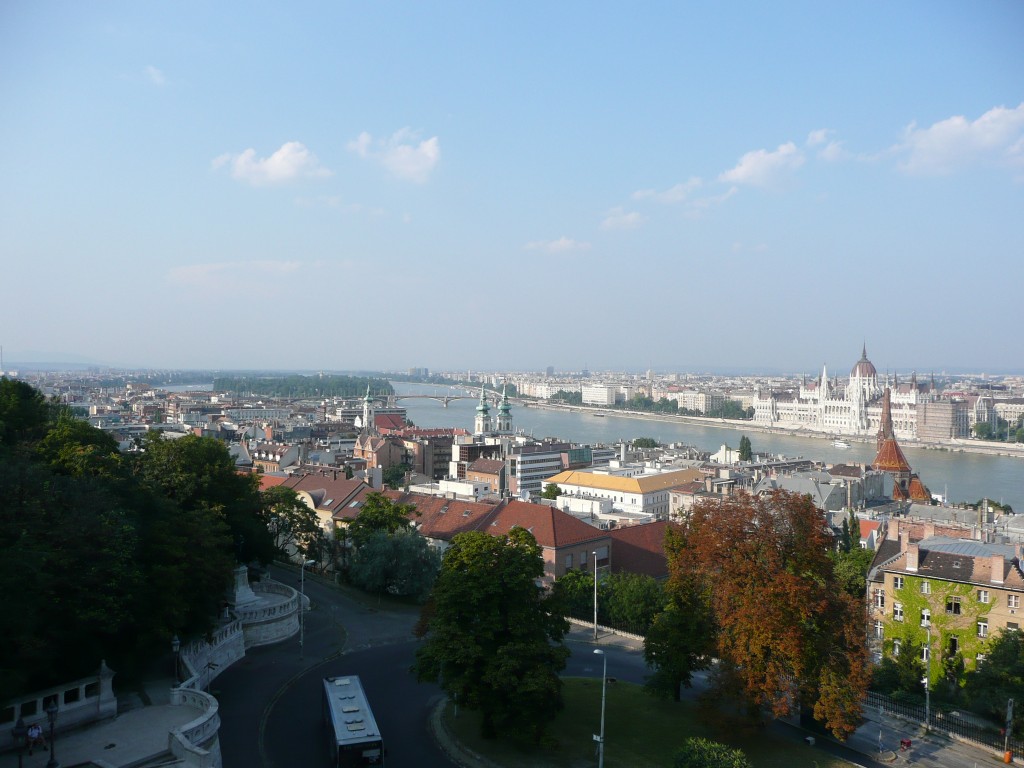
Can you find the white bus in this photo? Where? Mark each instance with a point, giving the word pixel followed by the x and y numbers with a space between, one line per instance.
pixel 353 738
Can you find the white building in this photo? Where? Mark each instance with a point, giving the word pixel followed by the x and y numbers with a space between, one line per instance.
pixel 642 495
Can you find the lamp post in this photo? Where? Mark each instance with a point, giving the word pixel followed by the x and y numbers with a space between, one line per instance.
pixel 176 647
pixel 604 684
pixel 302 601
pixel 927 680
pixel 594 553
pixel 18 732
pixel 51 715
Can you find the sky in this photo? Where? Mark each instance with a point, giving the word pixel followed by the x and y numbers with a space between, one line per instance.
pixel 508 186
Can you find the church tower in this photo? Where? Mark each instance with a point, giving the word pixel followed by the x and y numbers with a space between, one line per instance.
pixel 482 423
pixel 368 415
pixel 504 425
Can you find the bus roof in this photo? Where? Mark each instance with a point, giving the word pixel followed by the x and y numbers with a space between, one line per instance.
pixel 350 711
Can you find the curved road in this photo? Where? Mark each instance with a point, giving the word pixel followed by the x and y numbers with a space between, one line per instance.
pixel 270 700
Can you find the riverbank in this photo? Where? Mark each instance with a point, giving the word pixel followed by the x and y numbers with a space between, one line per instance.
pixel 1014 450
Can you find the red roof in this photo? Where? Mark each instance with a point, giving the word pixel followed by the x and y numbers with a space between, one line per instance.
pixel 640 549
pixel 551 527
pixel 269 481
pixel 890 457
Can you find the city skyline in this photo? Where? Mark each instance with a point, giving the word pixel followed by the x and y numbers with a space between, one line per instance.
pixel 504 188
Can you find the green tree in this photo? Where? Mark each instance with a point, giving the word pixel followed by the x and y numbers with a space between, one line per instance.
pixel 492 638
pixel 74 447
pixel 24 413
pixel 551 491
pixel 998 678
pixel 746 452
pixel 851 570
pixel 400 563
pixel 632 601
pixel 645 442
pixel 681 638
pixel 983 430
pixel 901 674
pixel 394 476
pixel 379 514
pixel 198 474
pixel 704 753
pixel 293 525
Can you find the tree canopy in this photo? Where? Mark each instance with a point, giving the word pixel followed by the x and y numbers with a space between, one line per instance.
pixel 401 564
pixel 551 491
pixel 492 638
pixel 377 514
pixel 746 452
pixel 785 631
pixel 104 555
pixel 704 753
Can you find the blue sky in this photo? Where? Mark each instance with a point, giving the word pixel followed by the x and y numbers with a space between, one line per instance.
pixel 495 186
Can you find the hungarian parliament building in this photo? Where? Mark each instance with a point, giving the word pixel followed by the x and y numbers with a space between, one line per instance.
pixel 853 407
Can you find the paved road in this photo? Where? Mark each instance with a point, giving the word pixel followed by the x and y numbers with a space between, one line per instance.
pixel 270 700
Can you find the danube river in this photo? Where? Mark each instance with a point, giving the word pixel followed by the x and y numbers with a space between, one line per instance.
pixel 962 476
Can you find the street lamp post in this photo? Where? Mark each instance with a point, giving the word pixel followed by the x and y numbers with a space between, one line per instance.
pixel 604 685
pixel 302 601
pixel 18 732
pixel 51 715
pixel 927 680
pixel 176 647
pixel 594 553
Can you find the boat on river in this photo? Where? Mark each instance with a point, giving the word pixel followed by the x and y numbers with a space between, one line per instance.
pixel 840 444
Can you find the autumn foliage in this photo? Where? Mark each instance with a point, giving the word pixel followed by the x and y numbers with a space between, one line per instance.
pixel 783 629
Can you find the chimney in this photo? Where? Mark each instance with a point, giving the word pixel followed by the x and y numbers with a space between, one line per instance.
pixel 997 568
pixel 904 540
pixel 913 553
pixel 929 530
pixel 892 531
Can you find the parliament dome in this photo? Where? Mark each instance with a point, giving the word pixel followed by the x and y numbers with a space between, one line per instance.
pixel 864 369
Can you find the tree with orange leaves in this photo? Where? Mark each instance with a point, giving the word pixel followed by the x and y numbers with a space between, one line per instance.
pixel 786 633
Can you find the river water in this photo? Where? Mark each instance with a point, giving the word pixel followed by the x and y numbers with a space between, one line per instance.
pixel 962 476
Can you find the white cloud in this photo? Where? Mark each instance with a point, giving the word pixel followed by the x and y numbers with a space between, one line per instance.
pixel 818 137
pixel 696 208
pixel 620 218
pixel 156 77
pixel 763 168
pixel 674 194
pixel 561 245
pixel 291 161
pixel 996 139
pixel 833 152
pixel 402 153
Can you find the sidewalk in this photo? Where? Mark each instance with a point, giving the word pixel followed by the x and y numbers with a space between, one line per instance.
pixel 134 738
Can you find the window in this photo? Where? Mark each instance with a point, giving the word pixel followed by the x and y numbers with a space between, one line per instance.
pixel 926 588
pixel 982 595
pixel 953 605
pixel 897 611
pixel 979 658
pixel 896 645
pixel 568 562
pixel 879 630
pixel 982 629
pixel 1013 601
pixel 925 653
pixel 897 582
pixel 954 645
pixel 879 598
pixel 926 617
pixel 1012 626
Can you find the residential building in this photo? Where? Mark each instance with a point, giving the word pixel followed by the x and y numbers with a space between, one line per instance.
pixel 646 494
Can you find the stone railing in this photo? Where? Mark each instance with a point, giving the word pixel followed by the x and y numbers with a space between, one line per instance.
pixel 270 623
pixel 196 743
pixel 79 703
pixel 205 659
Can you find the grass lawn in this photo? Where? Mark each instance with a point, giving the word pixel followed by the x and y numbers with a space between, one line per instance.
pixel 640 732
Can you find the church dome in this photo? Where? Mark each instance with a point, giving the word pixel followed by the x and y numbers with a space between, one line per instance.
pixel 864 369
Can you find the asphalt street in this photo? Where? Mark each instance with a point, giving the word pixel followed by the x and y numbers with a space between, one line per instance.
pixel 270 700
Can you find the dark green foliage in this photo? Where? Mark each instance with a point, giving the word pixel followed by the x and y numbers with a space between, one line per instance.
pixel 379 514
pixel 293 525
pixel 998 678
pixel 400 564
pixel 303 386
pixel 104 556
pixel 551 491
pixel 574 591
pixel 703 753
pixel 851 569
pixel 901 676
pixel 630 601
pixel 492 640
pixel 746 451
pixel 394 476
pixel 645 442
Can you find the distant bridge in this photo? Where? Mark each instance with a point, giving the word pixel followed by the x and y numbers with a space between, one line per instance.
pixel 443 399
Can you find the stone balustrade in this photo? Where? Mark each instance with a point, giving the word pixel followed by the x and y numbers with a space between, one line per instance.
pixel 196 743
pixel 273 618
pixel 79 703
